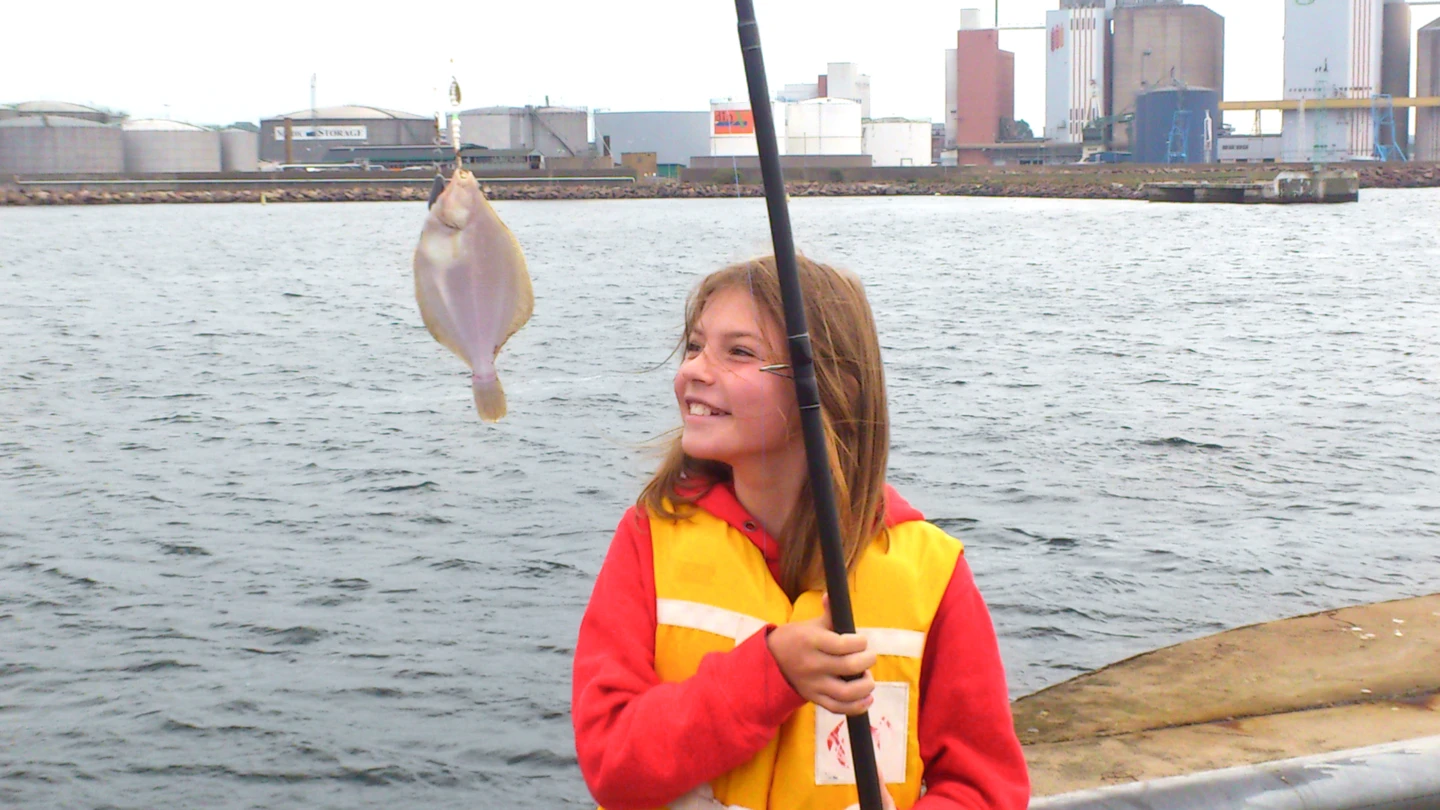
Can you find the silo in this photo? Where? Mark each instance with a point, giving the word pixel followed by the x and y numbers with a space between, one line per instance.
pixel 1155 117
pixel 1427 83
pixel 1395 65
pixel 239 150
pixel 160 146
pixel 52 144
pixel 823 126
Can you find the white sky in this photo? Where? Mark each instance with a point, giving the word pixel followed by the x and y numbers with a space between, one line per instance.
pixel 217 63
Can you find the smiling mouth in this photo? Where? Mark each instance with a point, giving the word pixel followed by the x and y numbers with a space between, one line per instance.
pixel 701 409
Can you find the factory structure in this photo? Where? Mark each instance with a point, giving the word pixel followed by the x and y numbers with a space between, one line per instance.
pixel 1143 80
pixel 1125 80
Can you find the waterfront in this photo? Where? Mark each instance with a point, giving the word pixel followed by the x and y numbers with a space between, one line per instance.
pixel 257 551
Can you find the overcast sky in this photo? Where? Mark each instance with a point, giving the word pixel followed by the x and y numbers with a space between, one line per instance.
pixel 217 63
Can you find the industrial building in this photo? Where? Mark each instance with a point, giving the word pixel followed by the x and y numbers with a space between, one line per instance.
pixel 57 144
pixel 840 80
pixel 674 137
pixel 1427 83
pixel 305 136
pixel 1075 68
pixel 160 146
pixel 554 132
pixel 732 128
pixel 980 91
pixel 1159 45
pixel 1335 50
pixel 817 126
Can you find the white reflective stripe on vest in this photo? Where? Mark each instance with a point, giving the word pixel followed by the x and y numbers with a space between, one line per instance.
pixel 739 626
pixel 707 618
pixel 888 641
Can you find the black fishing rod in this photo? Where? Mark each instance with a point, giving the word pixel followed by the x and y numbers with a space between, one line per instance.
pixel 807 392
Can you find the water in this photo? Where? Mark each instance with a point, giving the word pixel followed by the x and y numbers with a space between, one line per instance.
pixel 256 550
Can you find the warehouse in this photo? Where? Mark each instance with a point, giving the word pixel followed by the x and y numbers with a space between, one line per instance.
pixel 674 137
pixel 311 133
pixel 55 144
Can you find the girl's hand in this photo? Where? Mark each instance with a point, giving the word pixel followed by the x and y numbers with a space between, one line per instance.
pixel 815 660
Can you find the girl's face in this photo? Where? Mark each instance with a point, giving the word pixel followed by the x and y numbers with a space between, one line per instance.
pixel 735 413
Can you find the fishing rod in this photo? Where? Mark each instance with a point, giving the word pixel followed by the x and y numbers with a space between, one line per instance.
pixel 807 391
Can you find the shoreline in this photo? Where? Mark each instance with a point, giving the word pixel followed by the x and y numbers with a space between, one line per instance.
pixel 1117 182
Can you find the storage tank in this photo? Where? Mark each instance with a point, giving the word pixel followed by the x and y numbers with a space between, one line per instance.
pixel 1155 116
pixel 1427 83
pixel 239 150
pixel 552 131
pixel 7 111
pixel 824 126
pixel 66 109
pixel 162 146
pixel 53 144
pixel 898 141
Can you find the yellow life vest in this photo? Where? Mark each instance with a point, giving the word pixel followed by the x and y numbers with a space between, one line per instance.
pixel 713 590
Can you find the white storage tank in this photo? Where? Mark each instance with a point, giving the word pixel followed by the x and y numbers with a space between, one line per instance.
pixel 552 131
pixel 239 150
pixel 824 126
pixel 55 144
pixel 898 141
pixel 161 146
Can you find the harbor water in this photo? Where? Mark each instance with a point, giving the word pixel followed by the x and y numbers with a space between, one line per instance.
pixel 256 551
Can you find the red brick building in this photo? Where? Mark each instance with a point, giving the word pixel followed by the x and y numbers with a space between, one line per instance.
pixel 984 92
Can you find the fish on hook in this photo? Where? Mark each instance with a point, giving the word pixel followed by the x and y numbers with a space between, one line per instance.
pixel 472 284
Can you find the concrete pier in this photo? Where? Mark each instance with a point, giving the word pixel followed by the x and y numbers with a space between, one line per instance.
pixel 1322 186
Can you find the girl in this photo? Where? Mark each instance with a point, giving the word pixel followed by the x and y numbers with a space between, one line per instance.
pixel 707 674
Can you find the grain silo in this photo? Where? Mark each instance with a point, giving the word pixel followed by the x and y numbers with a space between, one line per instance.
pixel 53 144
pixel 161 146
pixel 239 150
pixel 311 133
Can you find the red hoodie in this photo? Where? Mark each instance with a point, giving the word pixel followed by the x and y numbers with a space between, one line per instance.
pixel 643 743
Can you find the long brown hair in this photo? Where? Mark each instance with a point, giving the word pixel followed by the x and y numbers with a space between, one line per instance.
pixel 852 403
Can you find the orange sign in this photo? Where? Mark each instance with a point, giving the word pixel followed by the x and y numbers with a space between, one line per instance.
pixel 734 122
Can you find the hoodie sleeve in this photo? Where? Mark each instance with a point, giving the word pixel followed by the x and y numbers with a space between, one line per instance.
pixel 967 737
pixel 643 743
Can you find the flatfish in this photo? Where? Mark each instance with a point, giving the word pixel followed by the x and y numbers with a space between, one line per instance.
pixel 472 285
